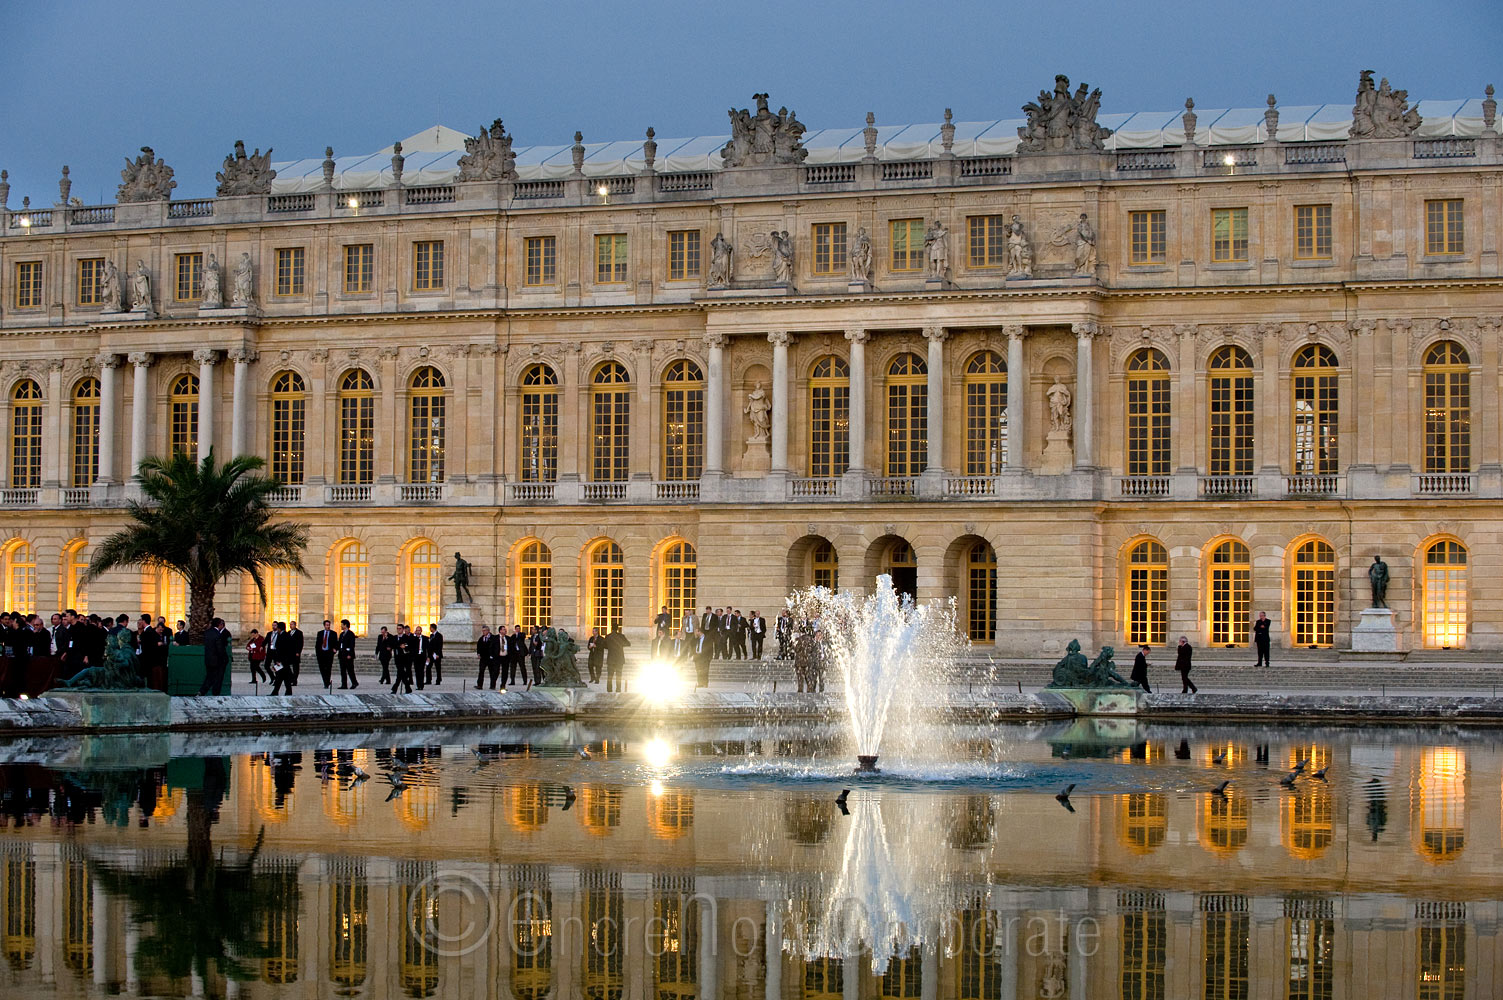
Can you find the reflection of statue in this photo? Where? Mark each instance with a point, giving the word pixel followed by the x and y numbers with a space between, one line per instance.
pixel 758 407
pixel 937 245
pixel 861 256
pixel 461 578
pixel 488 156
pixel 720 261
pixel 245 174
pixel 1059 406
pixel 109 287
pixel 117 672
pixel 243 293
pixel 1085 247
pixel 764 138
pixel 1052 978
pixel 1074 672
pixel 140 288
pixel 782 257
pixel 1019 253
pixel 1062 122
pixel 213 292
pixel 1377 577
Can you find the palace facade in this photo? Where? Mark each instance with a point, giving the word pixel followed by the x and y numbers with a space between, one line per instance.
pixel 1120 388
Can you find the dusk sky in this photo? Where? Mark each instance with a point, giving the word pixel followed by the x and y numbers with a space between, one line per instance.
pixel 87 83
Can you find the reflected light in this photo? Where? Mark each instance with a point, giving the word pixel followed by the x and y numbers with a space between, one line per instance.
pixel 655 789
pixel 354 203
pixel 660 682
pixel 657 752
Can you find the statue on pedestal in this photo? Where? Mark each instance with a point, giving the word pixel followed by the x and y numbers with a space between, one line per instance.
pixel 937 247
pixel 140 288
pixel 720 261
pixel 861 257
pixel 1072 671
pixel 1377 578
pixel 243 294
pixel 1085 248
pixel 1019 253
pixel 461 578
pixel 1059 406
pixel 109 287
pixel 782 257
pixel 758 408
pixel 213 289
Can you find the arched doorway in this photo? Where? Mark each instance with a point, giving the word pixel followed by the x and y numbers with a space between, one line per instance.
pixel 893 555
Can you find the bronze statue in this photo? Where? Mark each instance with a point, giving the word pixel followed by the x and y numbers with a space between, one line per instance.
pixel 461 578
pixel 1074 672
pixel 1377 577
pixel 117 672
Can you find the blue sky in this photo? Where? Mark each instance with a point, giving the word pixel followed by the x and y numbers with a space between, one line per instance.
pixel 86 83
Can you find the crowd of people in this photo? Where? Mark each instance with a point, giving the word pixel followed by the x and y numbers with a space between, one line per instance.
pixel 79 640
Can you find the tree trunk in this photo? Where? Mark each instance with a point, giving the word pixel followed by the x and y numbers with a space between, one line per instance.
pixel 200 610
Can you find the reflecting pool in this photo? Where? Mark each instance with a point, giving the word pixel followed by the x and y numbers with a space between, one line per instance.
pixel 641 864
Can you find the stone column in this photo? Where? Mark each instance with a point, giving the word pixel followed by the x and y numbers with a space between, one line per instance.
pixel 139 409
pixel 1017 400
pixel 936 403
pixel 389 422
pixel 779 340
pixel 52 452
pixel 1185 408
pixel 857 423
pixel 715 404
pixel 206 359
pixel 1085 452
pixel 240 402
pixel 108 403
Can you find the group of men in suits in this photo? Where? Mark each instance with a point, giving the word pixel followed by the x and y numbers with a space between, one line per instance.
pixel 419 656
pixel 79 640
pixel 330 645
pixel 503 656
pixel 284 656
pixel 726 632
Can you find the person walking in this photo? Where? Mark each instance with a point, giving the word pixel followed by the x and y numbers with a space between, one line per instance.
pixel 535 653
pixel 436 652
pixel 596 658
pixel 295 651
pixel 325 645
pixel 660 629
pixel 689 633
pixel 278 659
pixel 1140 670
pixel 488 651
pixel 1260 630
pixel 255 655
pixel 216 657
pixel 404 654
pixel 1182 664
pixel 756 627
pixel 783 632
pixel 386 644
pixel 347 677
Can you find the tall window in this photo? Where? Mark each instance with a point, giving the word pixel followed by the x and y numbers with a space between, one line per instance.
pixel 182 426
pixel 610 258
pixel 359 267
pixel 534 585
pixel 172 596
pixel 985 414
pixel 425 462
pixel 352 586
pixel 988 241
pixel 349 928
pixel 1445 598
pixel 829 417
pixel 610 424
pixel 20 578
pixel 607 576
pixel 1231 412
pixel 680 573
pixel 357 428
pixel 283 593
pixel 907 244
pixel 673 937
pixel 683 254
pixel 539 423
pixel 26 435
pixel 427 265
pixel 85 432
pixel 1312 232
pixel 1448 408
pixel 1142 821
pixel 425 584
pixel 1147 594
pixel 90 271
pixel 289 404
pixel 1145 944
pixel 824 565
pixel 291 270
pixel 907 415
pixel 1148 237
pixel 1312 950
pixel 75 565
pixel 1445 226
pixel 531 948
pixel 1441 973
pixel 829 248
pixel 1230 593
pixel 683 421
pixel 1438 804
pixel 1316 409
pixel 28 284
pixel 1147 414
pixel 190 277
pixel 1314 594
pixel 1228 235
pixel 540 263
pixel 981 592
pixel 1227 937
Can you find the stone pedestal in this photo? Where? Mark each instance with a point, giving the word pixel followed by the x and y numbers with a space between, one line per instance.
pixel 230 312
pixel 127 316
pixel 461 623
pixel 858 287
pixel 1375 632
pixel 1058 457
pixel 755 460
pixel 118 709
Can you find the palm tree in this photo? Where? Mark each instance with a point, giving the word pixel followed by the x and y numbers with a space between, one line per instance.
pixel 204 521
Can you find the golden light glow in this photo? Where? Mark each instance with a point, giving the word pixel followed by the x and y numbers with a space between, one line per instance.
pixel 658 752
pixel 660 682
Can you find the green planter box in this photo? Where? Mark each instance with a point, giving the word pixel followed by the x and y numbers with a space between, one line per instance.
pixel 185 671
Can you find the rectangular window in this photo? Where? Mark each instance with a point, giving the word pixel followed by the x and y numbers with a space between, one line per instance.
pixel 683 254
pixel 291 267
pixel 190 277
pixel 1312 232
pixel 90 271
pixel 988 240
pixel 1228 235
pixel 829 248
pixel 1445 229
pixel 610 258
pixel 542 260
pixel 907 244
pixel 28 284
pixel 357 438
pixel 86 438
pixel 1147 237
pixel 427 265
pixel 359 267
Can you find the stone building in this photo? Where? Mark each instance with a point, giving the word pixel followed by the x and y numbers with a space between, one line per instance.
pixel 1118 383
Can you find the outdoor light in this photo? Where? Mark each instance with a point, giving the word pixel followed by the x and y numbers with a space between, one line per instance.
pixel 24 221
pixel 655 789
pixel 602 190
pixel 657 752
pixel 660 682
pixel 1229 160
pixel 354 202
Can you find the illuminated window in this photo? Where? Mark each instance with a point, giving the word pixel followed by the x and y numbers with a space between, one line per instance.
pixel 18 889
pixel 610 258
pixel 824 565
pixel 985 414
pixel 607 593
pixel 528 809
pixel 283 590
pixel 1308 811
pixel 90 274
pixel 1442 961
pixel 1445 598
pixel 1316 411
pixel 1439 807
pixel 1312 232
pixel 425 584
pixel 540 264
pixel 539 423
pixel 1231 413
pixel 1142 821
pixel 678 585
pixel 78 928
pixel 1148 234
pixel 683 254
pixel 535 585
pixel 610 424
pixel 291 268
pixel 182 402
pixel 1445 226
pixel 289 406
pixel 278 893
pixel 352 586
pixel 1312 952
pixel 903 979
pixel 427 265
pixel 829 417
pixel 980 955
pixel 673 937
pixel 670 814
pixel 988 240
pixel 531 926
pixel 1230 593
pixel 981 593
pixel 26 435
pixel 1314 594
pixel 1224 821
pixel 1147 414
pixel 419 967
pixel 1147 594
pixel 20 578
pixel 357 428
pixel 1145 943
pixel 359 267
pixel 425 404
pixel 28 284
pixel 829 248
pixel 907 415
pixel 85 433
pixel 1448 408
pixel 907 244
pixel 600 808
pixel 75 565
pixel 604 951
pixel 190 277
pixel 683 421
pixel 1227 934
pixel 824 979
pixel 349 926
pixel 1229 235
pixel 172 597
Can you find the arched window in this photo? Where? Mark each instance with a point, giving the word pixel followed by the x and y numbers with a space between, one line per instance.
pixel 673 937
pixel 1142 821
pixel 1147 413
pixel 1448 408
pixel 1445 598
pixel 1144 935
pixel 678 587
pixel 283 590
pixel 75 565
pixel 349 914
pixel 531 918
pixel 1229 596
pixel 425 406
pixel 424 579
pixel 907 415
pixel 26 435
pixel 1439 809
pixel 85 433
pixel 1316 411
pixel 289 408
pixel 610 424
pixel 1225 821
pixel 1231 413
pixel 829 417
pixel 824 564
pixel 683 421
pixel 607 576
pixel 1308 811
pixel 985 414
pixel 1314 594
pixel 182 423
pixel 539 423
pixel 603 964
pixel 352 586
pixel 981 592
pixel 534 585
pixel 20 578
pixel 357 428
pixel 600 808
pixel 670 814
pixel 1147 597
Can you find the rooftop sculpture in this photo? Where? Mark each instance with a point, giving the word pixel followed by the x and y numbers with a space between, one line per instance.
pixel 244 174
pixel 147 179
pixel 488 156
pixel 764 138
pixel 1062 122
pixel 1382 112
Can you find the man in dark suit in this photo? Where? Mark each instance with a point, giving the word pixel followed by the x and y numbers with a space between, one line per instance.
pixel 1182 656
pixel 216 657
pixel 404 651
pixel 615 659
pixel 488 650
pixel 295 651
pixel 1140 670
pixel 279 658
pixel 756 627
pixel 347 656
pixel 660 629
pixel 709 630
pixel 147 642
pixel 436 653
pixel 516 657
pixel 325 645
pixel 417 648
pixel 738 634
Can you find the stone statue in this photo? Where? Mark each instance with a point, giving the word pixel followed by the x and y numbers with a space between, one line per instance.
pixel 861 256
pixel 213 284
pixel 559 668
pixel 1074 672
pixel 147 179
pixel 461 578
pixel 1019 252
pixel 759 408
pixel 109 287
pixel 243 294
pixel 765 138
pixel 1382 112
pixel 1062 122
pixel 245 174
pixel 1059 406
pixel 140 288
pixel 720 261
pixel 782 257
pixel 488 156
pixel 1085 248
pixel 937 249
pixel 1377 578
pixel 118 671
